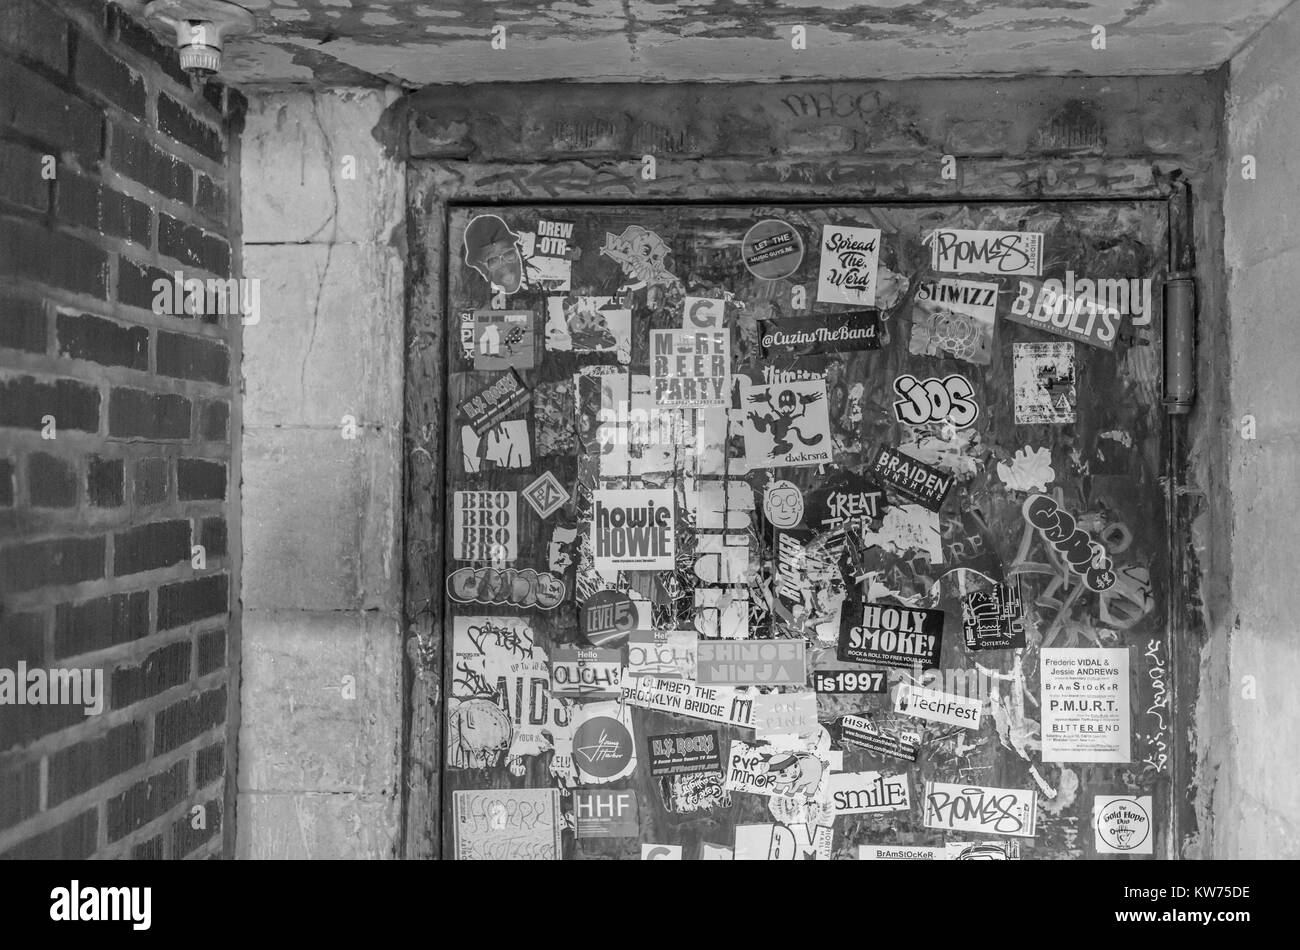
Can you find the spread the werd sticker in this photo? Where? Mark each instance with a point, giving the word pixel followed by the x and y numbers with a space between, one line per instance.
pixel 485 526
pixel 495 402
pixel 588 325
pixel 633 530
pixel 503 339
pixel 772 249
pixel 954 250
pixel 751 662
pixel 917 481
pixel 1085 704
pixel 954 318
pixel 824 333
pixel 860 733
pixel 998 811
pixel 1042 379
pixel 786 424
pixel 890 636
pixel 585 673
pixel 849 257
pixel 1122 824
pixel 492 249
pixel 949 401
pixel 691 369
pixel 685 753
pixel 994 619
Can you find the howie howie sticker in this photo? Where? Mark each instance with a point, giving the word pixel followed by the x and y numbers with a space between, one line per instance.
pixel 824 333
pixel 890 636
pixel 633 530
pixel 919 482
pixel 772 249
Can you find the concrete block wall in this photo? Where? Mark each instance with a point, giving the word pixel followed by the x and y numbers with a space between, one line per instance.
pixel 319 766
pixel 1249 717
pixel 115 448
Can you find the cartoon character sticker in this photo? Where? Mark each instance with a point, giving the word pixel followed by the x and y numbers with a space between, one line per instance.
pixel 786 424
pixel 492 249
pixel 642 254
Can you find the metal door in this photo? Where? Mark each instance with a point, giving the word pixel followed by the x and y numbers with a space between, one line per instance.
pixel 1066 438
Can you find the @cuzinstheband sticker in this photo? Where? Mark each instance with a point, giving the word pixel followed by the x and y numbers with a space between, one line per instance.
pixel 921 483
pixel 786 424
pixel 824 333
pixel 890 636
pixel 997 811
pixel 772 249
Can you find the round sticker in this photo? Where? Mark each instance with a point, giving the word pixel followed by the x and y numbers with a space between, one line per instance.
pixel 1123 824
pixel 772 249
pixel 603 747
pixel 607 617
pixel 783 504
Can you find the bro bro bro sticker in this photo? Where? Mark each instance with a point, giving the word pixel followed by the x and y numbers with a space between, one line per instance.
pixel 633 530
pixel 890 636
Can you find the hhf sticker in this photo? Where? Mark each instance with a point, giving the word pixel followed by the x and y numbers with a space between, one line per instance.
pixel 786 424
pixel 633 530
pixel 772 250
pixel 484 526
pixel 691 369
pixel 953 250
pixel 849 257
pixel 1123 824
pixel 1042 379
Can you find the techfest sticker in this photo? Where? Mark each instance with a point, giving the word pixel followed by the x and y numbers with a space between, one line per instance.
pixel 772 250
pixel 890 636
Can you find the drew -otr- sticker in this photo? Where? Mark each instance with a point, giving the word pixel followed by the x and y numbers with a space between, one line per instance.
pixel 954 318
pixel 772 249
pixel 1042 378
pixel 492 249
pixel 849 257
pixel 953 250
pixel 786 424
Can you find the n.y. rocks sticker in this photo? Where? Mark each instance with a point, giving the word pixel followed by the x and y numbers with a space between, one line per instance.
pixel 953 250
pixel 685 753
pixel 919 482
pixel 998 811
pixel 849 257
pixel 691 369
pixel 825 333
pixel 890 636
pixel 633 530
pixel 497 401
pixel 772 250
pixel 786 424
pixel 1042 379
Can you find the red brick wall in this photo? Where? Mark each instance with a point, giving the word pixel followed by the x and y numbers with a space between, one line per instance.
pixel 97 524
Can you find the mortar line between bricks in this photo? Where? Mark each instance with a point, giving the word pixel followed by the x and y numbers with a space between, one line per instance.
pixel 121 848
pixel 60 299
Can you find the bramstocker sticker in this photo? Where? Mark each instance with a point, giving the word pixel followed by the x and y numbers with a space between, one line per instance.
pixel 890 636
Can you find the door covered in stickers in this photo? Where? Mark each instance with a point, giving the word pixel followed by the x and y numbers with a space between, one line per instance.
pixel 813 531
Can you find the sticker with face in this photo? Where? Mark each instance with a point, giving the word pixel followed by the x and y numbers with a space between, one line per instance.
pixel 642 255
pixel 492 249
pixel 783 504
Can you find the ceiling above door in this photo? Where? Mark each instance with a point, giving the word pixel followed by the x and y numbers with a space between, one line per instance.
pixel 415 42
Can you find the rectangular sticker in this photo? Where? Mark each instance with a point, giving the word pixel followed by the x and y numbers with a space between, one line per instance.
pixel 586 673
pixel 860 682
pixel 869 793
pixel 691 369
pixel 1061 310
pixel 901 852
pixel 862 733
pixel 954 250
pixel 998 811
pixel 685 753
pixel 494 403
pixel 786 424
pixel 923 484
pixel 994 619
pixel 633 530
pixel 1085 704
pixel 752 662
pixel 1043 381
pixel 793 713
pixel 588 325
pixel 954 318
pixel 533 835
pixel 667 654
pixel 801 775
pixel 710 703
pixel 890 636
pixel 485 526
pixel 503 339
pixel 849 257
pixel 824 333
pixel 598 813
pixel 930 704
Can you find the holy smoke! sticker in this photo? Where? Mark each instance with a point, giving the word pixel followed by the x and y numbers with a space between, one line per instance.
pixel 890 636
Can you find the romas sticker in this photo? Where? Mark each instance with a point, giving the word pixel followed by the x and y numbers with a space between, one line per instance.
pixel 772 249
pixel 998 811
pixel 953 250
pixel 604 749
pixel 890 636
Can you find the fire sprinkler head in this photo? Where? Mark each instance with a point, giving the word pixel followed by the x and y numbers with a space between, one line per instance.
pixel 199 28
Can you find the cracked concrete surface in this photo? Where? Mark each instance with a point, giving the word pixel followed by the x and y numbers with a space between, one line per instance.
pixel 415 42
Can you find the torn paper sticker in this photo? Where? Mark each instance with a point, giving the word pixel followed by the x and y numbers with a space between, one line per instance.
pixel 1030 470
pixel 1043 381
